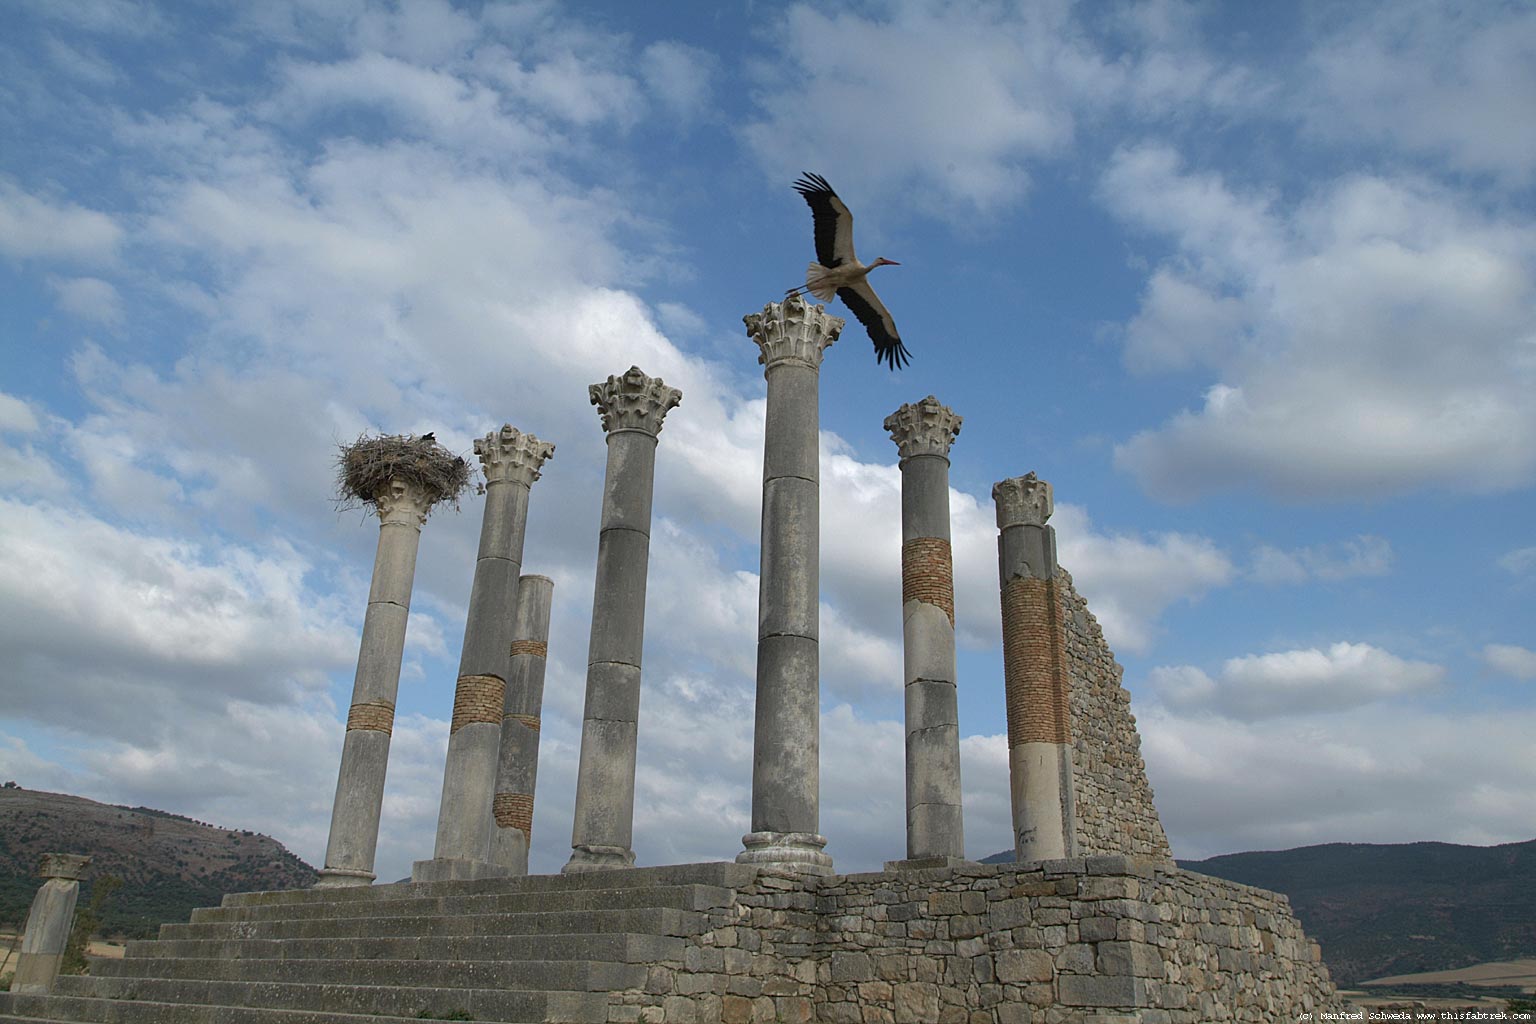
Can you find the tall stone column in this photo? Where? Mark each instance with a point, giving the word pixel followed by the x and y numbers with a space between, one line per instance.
pixel 632 407
pixel 923 432
pixel 402 508
pixel 511 460
pixel 792 337
pixel 518 768
pixel 49 924
pixel 1035 673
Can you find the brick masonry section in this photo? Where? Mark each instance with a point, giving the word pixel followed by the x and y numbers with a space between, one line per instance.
pixel 537 648
pixel 1034 672
pixel 376 715
pixel 478 699
pixel 513 810
pixel 927 574
pixel 529 721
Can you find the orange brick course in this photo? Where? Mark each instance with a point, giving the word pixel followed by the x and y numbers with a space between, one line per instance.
pixel 927 574
pixel 376 715
pixel 513 810
pixel 531 721
pixel 1034 663
pixel 478 699
pixel 537 648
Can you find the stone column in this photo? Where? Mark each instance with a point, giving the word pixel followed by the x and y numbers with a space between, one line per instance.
pixel 632 407
pixel 402 508
pixel 792 337
pixel 1035 673
pixel 923 432
pixel 518 768
pixel 511 459
pixel 49 924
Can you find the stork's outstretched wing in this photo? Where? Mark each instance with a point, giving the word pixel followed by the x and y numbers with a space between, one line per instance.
pixel 866 305
pixel 834 223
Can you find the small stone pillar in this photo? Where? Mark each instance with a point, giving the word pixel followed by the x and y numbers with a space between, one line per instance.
pixel 402 508
pixel 632 407
pixel 511 460
pixel 923 432
pixel 1035 673
pixel 49 924
pixel 518 767
pixel 792 337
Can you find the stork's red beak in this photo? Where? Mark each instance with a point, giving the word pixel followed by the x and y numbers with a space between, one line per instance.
pixel 882 261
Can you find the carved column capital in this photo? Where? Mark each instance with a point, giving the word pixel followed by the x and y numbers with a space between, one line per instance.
pixel 63 865
pixel 633 401
pixel 1022 501
pixel 792 331
pixel 402 503
pixel 509 454
pixel 924 428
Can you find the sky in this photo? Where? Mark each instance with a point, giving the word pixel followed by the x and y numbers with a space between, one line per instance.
pixel 1252 285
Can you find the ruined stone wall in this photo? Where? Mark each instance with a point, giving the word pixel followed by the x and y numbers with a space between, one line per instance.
pixel 1097 940
pixel 1115 813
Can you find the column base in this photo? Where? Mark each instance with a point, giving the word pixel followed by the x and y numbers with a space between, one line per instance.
pixel 342 878
pixel 455 869
pixel 598 858
pixel 799 852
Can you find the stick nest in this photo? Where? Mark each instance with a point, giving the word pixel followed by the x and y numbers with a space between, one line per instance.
pixel 366 466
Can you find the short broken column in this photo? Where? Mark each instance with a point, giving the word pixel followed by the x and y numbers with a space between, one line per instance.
pixel 1035 673
pixel 511 460
pixel 517 771
pixel 923 432
pixel 49 924
pixel 402 505
pixel 786 799
pixel 632 407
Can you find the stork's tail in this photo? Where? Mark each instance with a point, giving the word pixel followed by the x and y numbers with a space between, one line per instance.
pixel 818 282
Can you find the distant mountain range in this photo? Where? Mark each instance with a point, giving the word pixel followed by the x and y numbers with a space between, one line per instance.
pixel 1380 910
pixel 169 864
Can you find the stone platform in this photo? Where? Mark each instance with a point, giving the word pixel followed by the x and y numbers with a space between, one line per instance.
pixel 1097 940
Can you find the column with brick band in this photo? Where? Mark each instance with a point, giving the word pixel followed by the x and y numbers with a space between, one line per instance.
pixel 792 337
pixel 512 808
pixel 1035 673
pixel 632 407
pixel 511 460
pixel 923 432
pixel 49 923
pixel 402 509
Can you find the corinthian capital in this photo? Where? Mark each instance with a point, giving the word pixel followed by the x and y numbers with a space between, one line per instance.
pixel 1022 501
pixel 792 331
pixel 924 428
pixel 509 454
pixel 633 401
pixel 402 502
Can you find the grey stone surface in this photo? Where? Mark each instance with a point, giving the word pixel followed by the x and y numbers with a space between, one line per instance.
pixel 518 759
pixel 632 407
pixel 512 460
pixel 48 924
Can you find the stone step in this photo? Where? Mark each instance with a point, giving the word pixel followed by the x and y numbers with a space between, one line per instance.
pixel 683 897
pixel 419 1002
pixel 576 1008
pixel 624 949
pixel 717 873
pixel 520 976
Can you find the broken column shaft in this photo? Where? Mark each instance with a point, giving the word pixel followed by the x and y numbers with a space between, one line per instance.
pixel 402 508
pixel 923 433
pixel 48 924
pixel 517 770
pixel 1035 673
pixel 511 460
pixel 632 407
pixel 792 337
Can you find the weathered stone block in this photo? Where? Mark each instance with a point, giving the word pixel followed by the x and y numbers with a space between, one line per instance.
pixel 1129 958
pixel 916 1002
pixel 1091 990
pixel 1097 929
pixel 1020 965
pixel 735 1010
pixel 852 967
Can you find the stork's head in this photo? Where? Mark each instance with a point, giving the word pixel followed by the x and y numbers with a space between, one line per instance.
pixel 883 262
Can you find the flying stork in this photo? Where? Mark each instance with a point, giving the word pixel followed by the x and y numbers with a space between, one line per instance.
pixel 840 273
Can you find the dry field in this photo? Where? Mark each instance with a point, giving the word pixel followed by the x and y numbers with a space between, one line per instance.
pixel 10 948
pixel 1497 972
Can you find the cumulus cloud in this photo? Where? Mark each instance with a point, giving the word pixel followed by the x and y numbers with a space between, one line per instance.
pixel 1365 555
pixel 1262 686
pixel 1511 660
pixel 90 298
pixel 31 227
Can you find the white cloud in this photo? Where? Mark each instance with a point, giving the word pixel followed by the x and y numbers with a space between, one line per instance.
pixel 1365 555
pixel 90 298
pixel 679 76
pixel 16 415
pixel 34 228
pixel 1297 682
pixel 1519 561
pixel 1511 660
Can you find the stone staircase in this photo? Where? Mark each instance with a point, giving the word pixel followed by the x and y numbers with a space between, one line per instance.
pixel 540 948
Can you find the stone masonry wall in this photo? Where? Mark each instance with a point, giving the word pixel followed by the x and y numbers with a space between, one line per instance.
pixel 1097 940
pixel 1115 813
